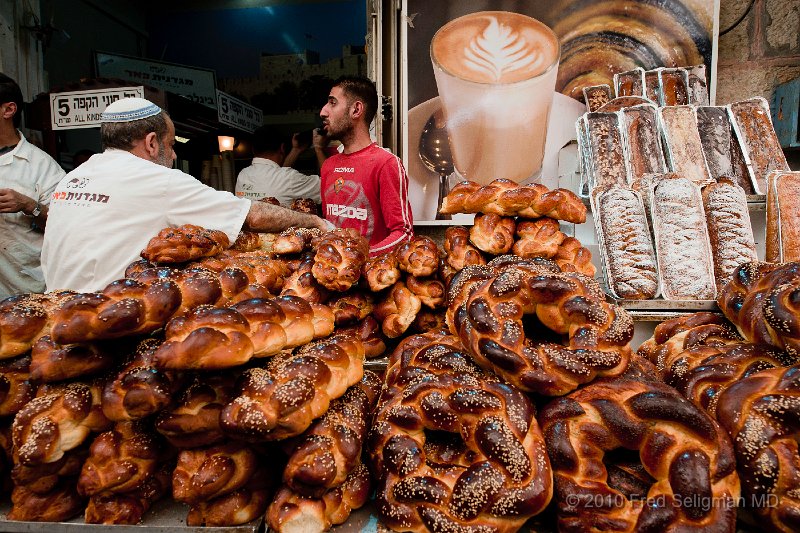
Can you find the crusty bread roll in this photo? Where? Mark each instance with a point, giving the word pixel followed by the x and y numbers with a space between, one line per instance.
pixel 627 247
pixel 685 266
pixel 729 230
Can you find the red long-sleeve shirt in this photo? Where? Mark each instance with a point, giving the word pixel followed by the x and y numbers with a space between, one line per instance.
pixel 368 191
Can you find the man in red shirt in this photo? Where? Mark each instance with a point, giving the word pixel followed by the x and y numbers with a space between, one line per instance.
pixel 365 186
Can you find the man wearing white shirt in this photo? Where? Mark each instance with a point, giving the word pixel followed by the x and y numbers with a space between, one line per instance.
pixel 103 213
pixel 27 178
pixel 271 173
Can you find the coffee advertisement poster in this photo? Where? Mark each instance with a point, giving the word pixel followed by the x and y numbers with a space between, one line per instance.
pixel 478 74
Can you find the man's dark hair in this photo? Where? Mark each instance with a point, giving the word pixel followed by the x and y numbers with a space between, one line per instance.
pixel 363 89
pixel 10 92
pixel 267 140
pixel 123 135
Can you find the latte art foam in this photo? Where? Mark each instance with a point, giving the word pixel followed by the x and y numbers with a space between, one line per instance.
pixel 500 50
pixel 495 47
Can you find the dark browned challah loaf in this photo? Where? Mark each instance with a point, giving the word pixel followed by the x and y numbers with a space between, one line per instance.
pixel 305 205
pixel 56 422
pixel 122 459
pixel 194 421
pixel 294 240
pixel 58 505
pixel 330 449
pixel 25 318
pixel 397 310
pixel 206 473
pixel 762 299
pixel 184 243
pixel 16 387
pixel 458 250
pixel 129 507
pixel 282 400
pixel 444 429
pixel 419 256
pixel 507 198
pixel 52 362
pixel 303 284
pixel 490 325
pixel 687 456
pixel 340 256
pixel 762 414
pixel 290 512
pixel 139 389
pixel 381 271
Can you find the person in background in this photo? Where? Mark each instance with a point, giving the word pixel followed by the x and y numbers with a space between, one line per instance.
pixel 271 173
pixel 365 186
pixel 27 178
pixel 104 212
pixel 80 157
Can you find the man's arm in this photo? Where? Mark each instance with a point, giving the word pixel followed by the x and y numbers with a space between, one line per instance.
pixel 12 201
pixel 320 145
pixel 270 218
pixel 393 186
pixel 295 152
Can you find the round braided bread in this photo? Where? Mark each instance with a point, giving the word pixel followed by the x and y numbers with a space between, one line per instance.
pixel 686 454
pixel 538 238
pixel 205 473
pixel 381 271
pixel 491 324
pixel 507 198
pixel 458 250
pixel 491 471
pixel 339 257
pixel 418 257
pixel 44 478
pixel 369 331
pixel 294 240
pixel 305 205
pixel 493 234
pixel 282 400
pixel 762 414
pixel 232 509
pixel 761 300
pixel 398 310
pixel 301 282
pixel 129 507
pixel 59 505
pixel 52 362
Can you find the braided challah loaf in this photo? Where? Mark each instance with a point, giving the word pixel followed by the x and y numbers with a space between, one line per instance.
pixel 685 454
pixel 762 299
pixel 369 331
pixel 250 241
pixel 762 414
pixel 498 473
pixel 301 282
pixel 381 271
pixel 16 388
pixel 538 238
pixel 328 451
pixel 25 318
pixel 340 256
pixel 493 234
pixel 418 257
pixel 282 400
pixel 507 198
pixel 398 310
pixel 294 240
pixel 56 422
pixel 59 505
pixel 490 324
pixel 139 388
pixel 232 509
pixel 430 291
pixel 51 362
pixel 290 512
pixel 122 459
pixel 129 507
pixel 194 421
pixel 305 205
pixel 206 473
pixel 458 250
pixel 184 243
pixel 352 306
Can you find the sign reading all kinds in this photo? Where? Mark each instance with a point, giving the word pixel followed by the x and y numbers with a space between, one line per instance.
pixel 197 84
pixel 239 114
pixel 82 109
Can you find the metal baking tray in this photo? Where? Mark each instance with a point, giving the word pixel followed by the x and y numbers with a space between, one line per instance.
pixel 166 516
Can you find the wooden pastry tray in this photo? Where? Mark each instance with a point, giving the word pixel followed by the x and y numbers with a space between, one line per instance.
pixel 166 516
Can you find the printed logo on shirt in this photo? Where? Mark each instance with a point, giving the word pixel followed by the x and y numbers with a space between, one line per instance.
pixel 346 170
pixel 338 184
pixel 77 183
pixel 81 197
pixel 345 211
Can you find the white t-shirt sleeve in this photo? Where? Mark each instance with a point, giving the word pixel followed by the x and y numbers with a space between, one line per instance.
pixel 191 202
pixel 304 186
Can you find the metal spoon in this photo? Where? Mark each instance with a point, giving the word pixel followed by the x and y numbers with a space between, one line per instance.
pixel 434 151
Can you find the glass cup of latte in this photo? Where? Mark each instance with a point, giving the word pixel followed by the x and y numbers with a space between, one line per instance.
pixel 496 73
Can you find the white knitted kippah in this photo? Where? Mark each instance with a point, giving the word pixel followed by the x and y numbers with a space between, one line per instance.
pixel 129 109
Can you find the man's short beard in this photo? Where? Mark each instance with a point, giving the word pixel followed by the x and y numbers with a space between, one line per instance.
pixel 161 157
